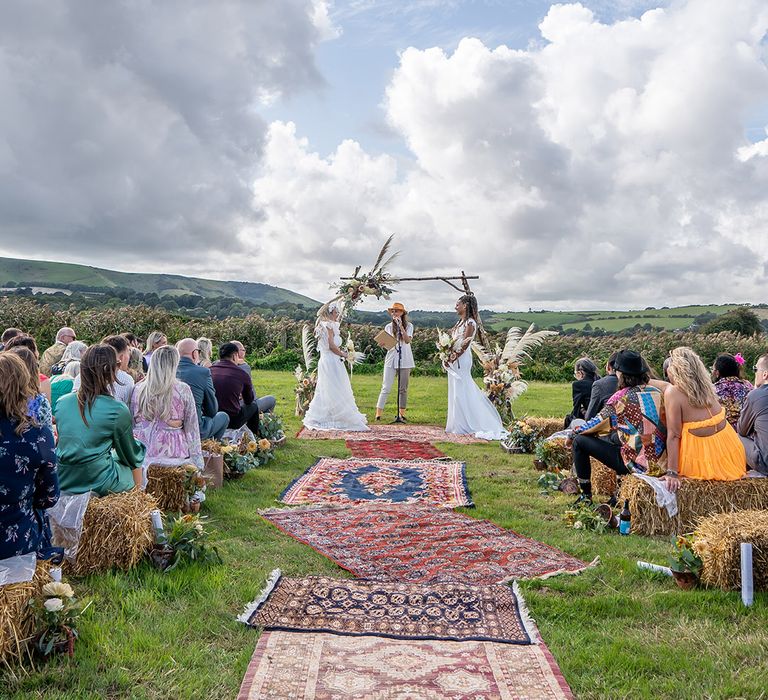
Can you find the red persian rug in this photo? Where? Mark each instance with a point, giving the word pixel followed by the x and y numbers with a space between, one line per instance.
pixel 420 543
pixel 409 431
pixel 351 480
pixel 394 449
pixel 320 666
pixel 446 611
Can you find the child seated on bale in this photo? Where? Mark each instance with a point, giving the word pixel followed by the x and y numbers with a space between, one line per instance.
pixel 96 450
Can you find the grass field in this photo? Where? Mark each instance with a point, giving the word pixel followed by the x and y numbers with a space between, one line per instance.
pixel 615 631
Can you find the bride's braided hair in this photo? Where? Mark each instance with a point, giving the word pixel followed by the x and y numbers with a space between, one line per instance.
pixel 470 301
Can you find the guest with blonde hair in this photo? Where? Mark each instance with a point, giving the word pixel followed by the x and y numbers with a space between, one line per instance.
pixel 39 392
pixel 205 346
pixel 701 443
pixel 155 340
pixel 164 414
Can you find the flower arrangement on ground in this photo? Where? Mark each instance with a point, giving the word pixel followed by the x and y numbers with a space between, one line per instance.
pixel 501 367
pixel 271 428
pixel 194 488
pixel 522 437
pixel 554 454
pixel 56 612
pixel 377 282
pixel 585 517
pixel 188 538
pixel 306 378
pixel 684 559
pixel 246 455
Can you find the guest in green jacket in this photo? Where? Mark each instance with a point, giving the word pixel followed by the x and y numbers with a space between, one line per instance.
pixel 96 450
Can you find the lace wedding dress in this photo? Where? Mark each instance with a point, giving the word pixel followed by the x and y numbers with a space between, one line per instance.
pixel 333 406
pixel 469 410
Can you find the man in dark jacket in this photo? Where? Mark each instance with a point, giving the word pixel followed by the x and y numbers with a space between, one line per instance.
pixel 603 389
pixel 234 390
pixel 213 422
pixel 753 420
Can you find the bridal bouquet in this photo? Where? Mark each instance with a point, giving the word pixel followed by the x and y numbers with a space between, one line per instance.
pixel 353 357
pixel 446 346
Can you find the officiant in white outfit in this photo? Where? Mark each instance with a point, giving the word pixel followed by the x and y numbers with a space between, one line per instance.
pixel 397 337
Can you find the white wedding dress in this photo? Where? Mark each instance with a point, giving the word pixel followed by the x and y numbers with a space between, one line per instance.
pixel 470 412
pixel 333 406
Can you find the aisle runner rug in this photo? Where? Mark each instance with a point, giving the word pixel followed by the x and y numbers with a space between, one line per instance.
pixel 420 543
pixel 318 666
pixel 394 449
pixel 415 433
pixel 443 611
pixel 345 481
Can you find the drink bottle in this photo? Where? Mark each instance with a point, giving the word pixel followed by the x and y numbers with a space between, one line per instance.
pixel 625 519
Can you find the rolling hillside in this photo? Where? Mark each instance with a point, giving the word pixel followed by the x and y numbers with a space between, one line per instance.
pixel 85 278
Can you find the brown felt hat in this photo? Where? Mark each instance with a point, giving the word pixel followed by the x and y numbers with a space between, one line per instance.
pixel 397 306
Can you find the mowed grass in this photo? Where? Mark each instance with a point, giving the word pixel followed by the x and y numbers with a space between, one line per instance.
pixel 616 632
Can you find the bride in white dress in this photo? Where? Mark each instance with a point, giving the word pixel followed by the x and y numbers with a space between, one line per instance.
pixel 470 412
pixel 333 406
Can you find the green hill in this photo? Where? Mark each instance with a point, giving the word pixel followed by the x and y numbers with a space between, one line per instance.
pixel 34 273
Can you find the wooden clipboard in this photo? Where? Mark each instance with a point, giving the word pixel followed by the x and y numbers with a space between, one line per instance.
pixel 385 340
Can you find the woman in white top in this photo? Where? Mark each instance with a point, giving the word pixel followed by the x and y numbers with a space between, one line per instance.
pixel 469 410
pixel 401 355
pixel 333 406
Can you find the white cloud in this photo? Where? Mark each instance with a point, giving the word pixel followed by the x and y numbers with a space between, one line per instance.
pixel 607 165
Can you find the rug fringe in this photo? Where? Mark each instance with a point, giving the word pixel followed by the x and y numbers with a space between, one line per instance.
pixel 254 605
pixel 528 622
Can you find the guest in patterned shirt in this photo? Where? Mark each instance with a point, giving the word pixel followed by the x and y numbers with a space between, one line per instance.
pixel 629 433
pixel 28 480
pixel 730 388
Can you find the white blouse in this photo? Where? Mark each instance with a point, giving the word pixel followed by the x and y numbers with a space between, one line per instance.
pixel 407 361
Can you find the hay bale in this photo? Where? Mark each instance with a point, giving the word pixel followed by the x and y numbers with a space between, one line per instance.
pixel 544 426
pixel 117 532
pixel 170 485
pixel 718 543
pixel 603 478
pixel 15 619
pixel 695 499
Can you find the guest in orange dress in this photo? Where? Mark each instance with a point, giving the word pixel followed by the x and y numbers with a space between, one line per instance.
pixel 701 444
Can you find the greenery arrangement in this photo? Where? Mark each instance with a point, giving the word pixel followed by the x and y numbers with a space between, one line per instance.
pixel 271 428
pixel 188 538
pixel 554 454
pixel 246 455
pixel 585 517
pixel 684 559
pixel 56 612
pixel 523 438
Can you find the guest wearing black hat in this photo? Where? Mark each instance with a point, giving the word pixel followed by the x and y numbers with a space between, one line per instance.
pixel 629 433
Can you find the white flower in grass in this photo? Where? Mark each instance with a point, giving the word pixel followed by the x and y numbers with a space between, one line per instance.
pixel 56 588
pixel 578 525
pixel 54 604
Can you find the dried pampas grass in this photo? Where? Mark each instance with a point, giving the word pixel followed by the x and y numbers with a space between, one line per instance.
pixel 695 499
pixel 168 485
pixel 117 532
pixel 15 619
pixel 718 543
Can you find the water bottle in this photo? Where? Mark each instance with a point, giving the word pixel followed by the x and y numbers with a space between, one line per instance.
pixel 625 519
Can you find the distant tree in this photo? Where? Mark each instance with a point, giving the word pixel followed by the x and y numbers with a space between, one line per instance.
pixel 742 320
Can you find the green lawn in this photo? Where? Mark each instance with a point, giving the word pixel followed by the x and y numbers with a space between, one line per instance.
pixel 615 631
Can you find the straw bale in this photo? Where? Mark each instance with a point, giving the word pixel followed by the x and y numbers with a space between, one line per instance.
pixel 718 543
pixel 695 499
pixel 15 619
pixel 545 426
pixel 117 532
pixel 168 485
pixel 603 478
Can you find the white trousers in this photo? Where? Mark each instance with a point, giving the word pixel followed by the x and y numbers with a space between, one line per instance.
pixel 390 374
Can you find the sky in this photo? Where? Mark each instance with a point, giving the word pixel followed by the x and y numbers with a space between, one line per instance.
pixel 603 154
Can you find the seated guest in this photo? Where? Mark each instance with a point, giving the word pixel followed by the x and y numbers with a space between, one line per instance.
pixel 22 340
pixel 753 420
pixel 73 351
pixel 64 383
pixel 585 372
pixel 96 450
pixel 132 339
pixel 155 340
pixel 39 405
pixel 8 333
pixel 136 365
pixel 24 492
pixel 53 354
pixel 123 387
pixel 234 390
pixel 240 359
pixel 701 443
pixel 205 346
pixel 266 403
pixel 164 415
pixel 212 422
pixel 730 388
pixel 603 389
pixel 629 434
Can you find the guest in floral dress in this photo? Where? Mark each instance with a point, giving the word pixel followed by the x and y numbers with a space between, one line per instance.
pixel 39 407
pixel 730 388
pixel 28 480
pixel 164 414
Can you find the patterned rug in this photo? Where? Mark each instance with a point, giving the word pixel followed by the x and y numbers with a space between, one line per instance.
pixel 318 666
pixel 420 543
pixel 415 433
pixel 443 611
pixel 350 480
pixel 394 449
